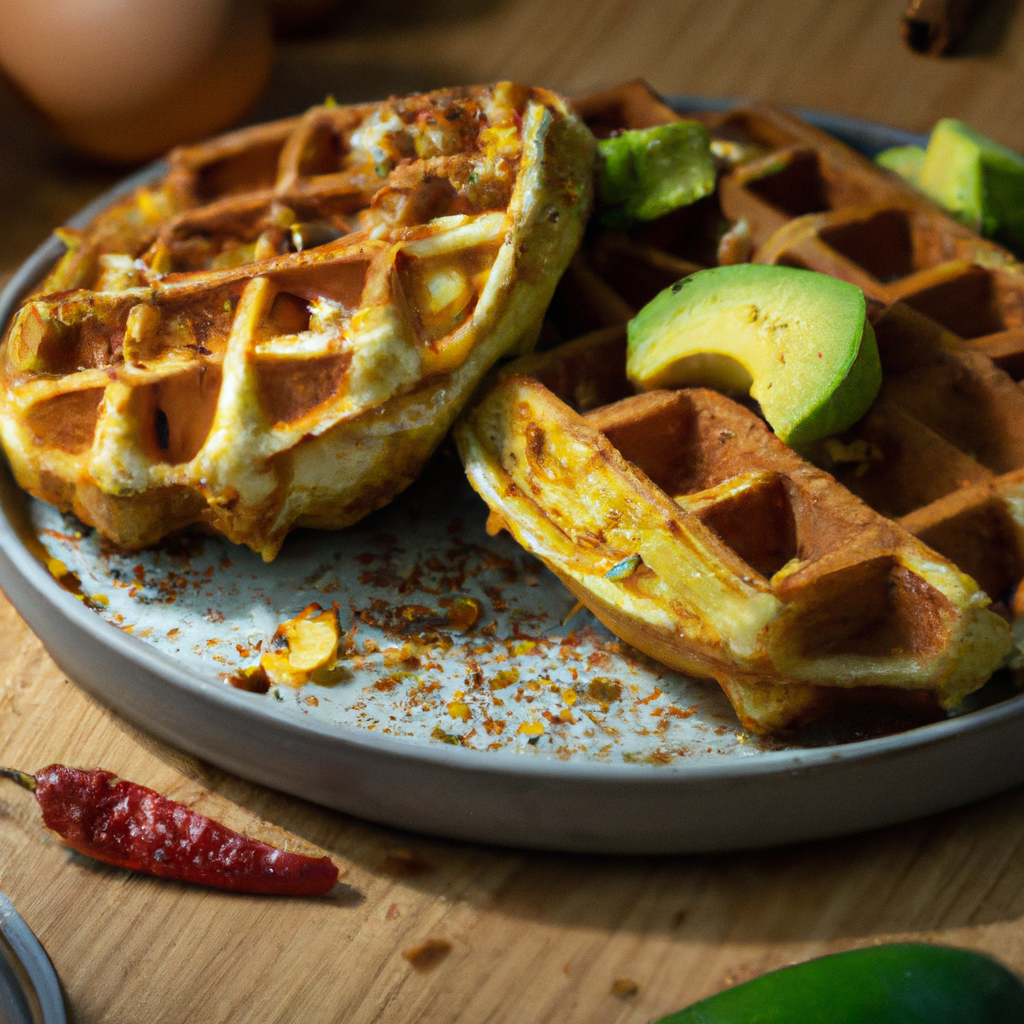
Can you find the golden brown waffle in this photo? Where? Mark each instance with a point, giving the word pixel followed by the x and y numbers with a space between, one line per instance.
pixel 942 446
pixel 687 527
pixel 693 533
pixel 806 199
pixel 942 449
pixel 280 331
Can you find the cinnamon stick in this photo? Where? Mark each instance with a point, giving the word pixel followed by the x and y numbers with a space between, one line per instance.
pixel 934 27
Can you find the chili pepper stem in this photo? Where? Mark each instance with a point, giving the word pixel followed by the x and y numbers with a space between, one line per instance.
pixel 21 778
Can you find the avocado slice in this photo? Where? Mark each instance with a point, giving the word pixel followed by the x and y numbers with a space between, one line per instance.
pixel 799 341
pixel 977 180
pixel 646 173
pixel 905 161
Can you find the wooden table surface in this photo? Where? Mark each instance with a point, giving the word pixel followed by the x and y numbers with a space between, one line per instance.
pixel 534 937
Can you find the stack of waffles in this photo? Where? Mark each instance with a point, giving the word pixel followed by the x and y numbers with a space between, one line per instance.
pixel 866 564
pixel 280 330
pixel 942 447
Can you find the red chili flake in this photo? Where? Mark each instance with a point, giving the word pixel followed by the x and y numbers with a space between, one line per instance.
pixel 130 826
pixel 679 713
pixel 649 698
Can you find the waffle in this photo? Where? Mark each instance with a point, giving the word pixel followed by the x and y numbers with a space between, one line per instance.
pixel 841 593
pixel 696 535
pixel 280 331
pixel 946 304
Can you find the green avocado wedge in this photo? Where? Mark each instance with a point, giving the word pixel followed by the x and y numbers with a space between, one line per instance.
pixel 799 341
pixel 646 173
pixel 900 983
pixel 977 180
pixel 905 161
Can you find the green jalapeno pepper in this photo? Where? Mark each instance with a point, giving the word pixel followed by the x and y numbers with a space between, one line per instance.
pixel 901 983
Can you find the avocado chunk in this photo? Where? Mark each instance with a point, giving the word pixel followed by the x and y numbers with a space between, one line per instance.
pixel 905 161
pixel 797 340
pixel 977 180
pixel 649 172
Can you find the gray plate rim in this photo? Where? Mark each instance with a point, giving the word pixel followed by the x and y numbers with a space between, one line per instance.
pixel 30 970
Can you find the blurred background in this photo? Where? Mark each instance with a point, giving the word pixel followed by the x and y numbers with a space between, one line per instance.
pixel 92 88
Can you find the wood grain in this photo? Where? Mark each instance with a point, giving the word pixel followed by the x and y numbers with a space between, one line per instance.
pixel 534 937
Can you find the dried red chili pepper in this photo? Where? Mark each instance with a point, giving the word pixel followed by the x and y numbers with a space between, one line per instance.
pixel 128 825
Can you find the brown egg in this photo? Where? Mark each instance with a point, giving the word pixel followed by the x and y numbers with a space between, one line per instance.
pixel 127 79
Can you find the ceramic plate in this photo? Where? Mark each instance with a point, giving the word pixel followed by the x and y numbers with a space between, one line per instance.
pixel 30 991
pixel 470 702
